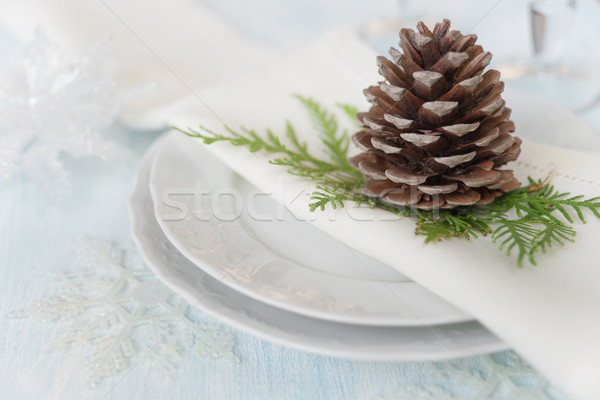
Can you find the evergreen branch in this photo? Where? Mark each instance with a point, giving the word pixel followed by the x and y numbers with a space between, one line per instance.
pixel 530 236
pixel 325 195
pixel 543 214
pixel 516 233
pixel 544 200
pixel 449 224
pixel 534 231
pixel 551 234
pixel 336 144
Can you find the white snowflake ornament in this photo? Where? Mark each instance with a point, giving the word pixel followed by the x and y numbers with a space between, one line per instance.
pixel 116 310
pixel 51 107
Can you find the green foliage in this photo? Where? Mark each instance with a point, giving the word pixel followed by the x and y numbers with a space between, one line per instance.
pixel 524 222
pixel 542 218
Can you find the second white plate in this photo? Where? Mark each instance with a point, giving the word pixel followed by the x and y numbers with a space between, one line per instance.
pixel 255 246
pixel 289 329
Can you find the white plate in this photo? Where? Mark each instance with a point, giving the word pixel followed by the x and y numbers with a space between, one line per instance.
pixel 263 252
pixel 286 328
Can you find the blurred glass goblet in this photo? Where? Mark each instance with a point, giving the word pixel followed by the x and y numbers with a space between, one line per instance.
pixel 548 74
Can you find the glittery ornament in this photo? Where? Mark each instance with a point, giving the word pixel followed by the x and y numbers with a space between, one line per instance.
pixel 54 106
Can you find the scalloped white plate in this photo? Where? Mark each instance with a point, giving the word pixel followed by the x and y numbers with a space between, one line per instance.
pixel 246 240
pixel 287 328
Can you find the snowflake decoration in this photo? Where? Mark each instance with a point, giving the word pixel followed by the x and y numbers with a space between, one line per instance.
pixel 51 107
pixel 117 309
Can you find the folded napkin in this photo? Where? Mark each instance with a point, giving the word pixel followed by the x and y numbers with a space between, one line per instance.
pixel 547 313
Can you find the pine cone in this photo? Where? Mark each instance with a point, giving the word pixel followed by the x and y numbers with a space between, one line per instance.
pixel 438 128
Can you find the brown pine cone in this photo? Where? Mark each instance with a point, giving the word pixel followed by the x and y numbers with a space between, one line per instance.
pixel 438 129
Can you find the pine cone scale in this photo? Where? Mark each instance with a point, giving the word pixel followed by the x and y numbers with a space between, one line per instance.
pixel 460 130
pixel 405 175
pixel 438 128
pixel 438 189
pixel 465 198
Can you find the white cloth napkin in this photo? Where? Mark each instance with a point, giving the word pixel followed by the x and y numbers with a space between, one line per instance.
pixel 159 50
pixel 547 313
